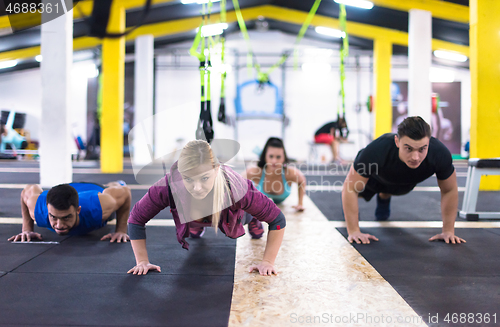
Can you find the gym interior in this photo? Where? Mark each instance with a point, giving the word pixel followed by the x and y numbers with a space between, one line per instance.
pixel 96 91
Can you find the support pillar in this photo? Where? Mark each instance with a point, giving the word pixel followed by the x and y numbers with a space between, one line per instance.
pixel 419 62
pixel 382 53
pixel 143 101
pixel 55 68
pixel 485 79
pixel 113 70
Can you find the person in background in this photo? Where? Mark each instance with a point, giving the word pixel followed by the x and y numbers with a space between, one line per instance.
pixel 331 134
pixel 274 177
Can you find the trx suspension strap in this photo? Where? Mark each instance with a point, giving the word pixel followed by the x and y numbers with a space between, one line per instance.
pixel 263 77
pixel 344 52
pixel 222 107
pixel 204 130
pixel 303 30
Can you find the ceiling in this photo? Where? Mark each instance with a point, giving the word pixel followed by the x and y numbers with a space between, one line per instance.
pixel 172 11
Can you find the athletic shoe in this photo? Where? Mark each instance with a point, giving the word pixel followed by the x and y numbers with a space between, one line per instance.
pixel 196 232
pixel 383 210
pixel 255 228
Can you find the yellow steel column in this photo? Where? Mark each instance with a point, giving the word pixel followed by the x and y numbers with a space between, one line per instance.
pixel 382 53
pixel 485 80
pixel 113 68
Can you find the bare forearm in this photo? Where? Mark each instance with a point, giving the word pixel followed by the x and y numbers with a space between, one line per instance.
pixel 449 207
pixel 28 223
pixel 121 221
pixel 140 251
pixel 274 239
pixel 302 191
pixel 122 216
pixel 351 210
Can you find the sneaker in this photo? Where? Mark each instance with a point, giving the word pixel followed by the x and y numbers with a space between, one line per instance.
pixel 255 229
pixel 383 210
pixel 196 232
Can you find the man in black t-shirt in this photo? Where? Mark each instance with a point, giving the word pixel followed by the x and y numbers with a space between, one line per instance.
pixel 394 164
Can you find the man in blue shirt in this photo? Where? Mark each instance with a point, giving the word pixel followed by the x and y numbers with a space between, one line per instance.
pixel 75 209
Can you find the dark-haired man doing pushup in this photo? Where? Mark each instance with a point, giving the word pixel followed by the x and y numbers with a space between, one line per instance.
pixel 394 164
pixel 75 209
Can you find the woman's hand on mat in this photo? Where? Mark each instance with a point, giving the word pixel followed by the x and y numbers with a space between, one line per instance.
pixel 448 237
pixel 359 238
pixel 299 208
pixel 118 237
pixel 25 237
pixel 265 268
pixel 143 267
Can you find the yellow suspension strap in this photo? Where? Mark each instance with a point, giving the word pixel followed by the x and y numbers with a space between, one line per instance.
pixel 303 30
pixel 222 106
pixel 344 52
pixel 263 77
pixel 204 130
pixel 244 31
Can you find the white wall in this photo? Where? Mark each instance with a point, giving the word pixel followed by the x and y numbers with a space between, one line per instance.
pixel 310 97
pixel 21 92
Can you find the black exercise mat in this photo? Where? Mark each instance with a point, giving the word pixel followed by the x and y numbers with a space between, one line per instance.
pixel 414 206
pixel 19 178
pixel 83 282
pixel 15 255
pixel 438 278
pixel 209 255
pixel 101 299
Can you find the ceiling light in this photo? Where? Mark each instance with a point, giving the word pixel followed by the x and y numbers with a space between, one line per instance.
pixel 188 2
pixel 38 58
pixel 440 75
pixel 450 55
pixel 8 64
pixel 329 31
pixel 363 4
pixel 213 29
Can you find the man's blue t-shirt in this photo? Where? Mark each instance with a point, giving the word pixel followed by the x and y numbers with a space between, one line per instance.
pixel 90 214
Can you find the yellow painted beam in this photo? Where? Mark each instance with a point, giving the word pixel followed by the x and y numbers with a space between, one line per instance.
pixel 4 22
pixel 439 9
pixel 268 11
pixel 82 9
pixel 113 70
pixel 485 79
pixel 382 106
pixel 353 28
pixel 25 53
